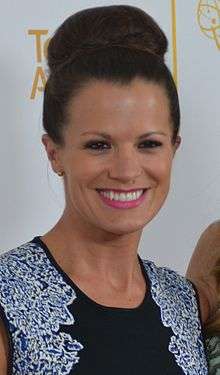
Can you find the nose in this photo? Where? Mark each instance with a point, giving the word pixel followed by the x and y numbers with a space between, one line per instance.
pixel 125 166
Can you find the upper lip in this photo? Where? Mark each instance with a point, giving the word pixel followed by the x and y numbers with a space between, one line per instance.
pixel 122 190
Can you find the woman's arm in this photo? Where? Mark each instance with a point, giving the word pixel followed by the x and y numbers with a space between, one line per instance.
pixel 3 350
pixel 202 263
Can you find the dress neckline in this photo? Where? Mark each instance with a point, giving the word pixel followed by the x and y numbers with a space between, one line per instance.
pixel 80 293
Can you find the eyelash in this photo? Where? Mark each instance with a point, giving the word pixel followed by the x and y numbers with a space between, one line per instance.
pixel 150 144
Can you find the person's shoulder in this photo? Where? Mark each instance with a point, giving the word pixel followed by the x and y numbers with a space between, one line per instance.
pixel 177 299
pixel 162 271
pixel 166 276
pixel 19 270
pixel 18 250
pixel 11 261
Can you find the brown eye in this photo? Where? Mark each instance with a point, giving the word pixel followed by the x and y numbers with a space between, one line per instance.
pixel 150 144
pixel 97 145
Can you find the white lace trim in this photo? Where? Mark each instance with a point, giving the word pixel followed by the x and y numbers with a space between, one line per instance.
pixel 178 306
pixel 35 299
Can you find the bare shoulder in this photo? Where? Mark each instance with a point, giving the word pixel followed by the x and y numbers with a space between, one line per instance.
pixel 3 349
pixel 201 266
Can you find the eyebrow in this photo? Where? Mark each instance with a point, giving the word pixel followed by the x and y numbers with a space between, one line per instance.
pixel 107 136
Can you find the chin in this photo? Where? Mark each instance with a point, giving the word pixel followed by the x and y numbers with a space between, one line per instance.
pixel 124 228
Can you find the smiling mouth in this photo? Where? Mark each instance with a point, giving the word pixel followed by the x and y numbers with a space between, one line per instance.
pixel 133 195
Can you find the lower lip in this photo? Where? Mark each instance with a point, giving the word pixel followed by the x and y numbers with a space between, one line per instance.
pixel 120 204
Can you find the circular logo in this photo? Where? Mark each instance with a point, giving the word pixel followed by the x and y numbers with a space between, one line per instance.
pixel 209 19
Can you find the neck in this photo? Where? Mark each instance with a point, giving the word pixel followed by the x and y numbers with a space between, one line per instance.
pixel 85 252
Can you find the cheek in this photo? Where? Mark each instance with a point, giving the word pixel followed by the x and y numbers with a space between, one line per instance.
pixel 160 168
pixel 81 171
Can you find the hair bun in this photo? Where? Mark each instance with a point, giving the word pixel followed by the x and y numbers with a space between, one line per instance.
pixel 103 27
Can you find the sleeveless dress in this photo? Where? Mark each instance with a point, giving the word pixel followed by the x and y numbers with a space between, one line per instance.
pixel 53 326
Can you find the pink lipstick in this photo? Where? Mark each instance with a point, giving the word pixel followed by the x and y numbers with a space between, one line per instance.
pixel 122 204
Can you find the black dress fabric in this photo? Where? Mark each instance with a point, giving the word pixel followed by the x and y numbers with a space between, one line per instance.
pixel 119 341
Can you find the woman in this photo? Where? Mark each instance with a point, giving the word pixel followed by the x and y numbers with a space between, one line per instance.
pixel 204 271
pixel 79 300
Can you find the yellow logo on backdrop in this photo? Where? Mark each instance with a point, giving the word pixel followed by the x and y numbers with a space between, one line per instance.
pixel 209 19
pixel 41 43
pixel 41 40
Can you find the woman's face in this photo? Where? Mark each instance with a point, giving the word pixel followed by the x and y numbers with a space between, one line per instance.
pixel 117 155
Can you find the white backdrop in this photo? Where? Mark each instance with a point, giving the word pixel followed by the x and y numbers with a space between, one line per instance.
pixel 31 197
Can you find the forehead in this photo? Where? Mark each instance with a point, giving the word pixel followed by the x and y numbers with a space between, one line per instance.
pixel 104 104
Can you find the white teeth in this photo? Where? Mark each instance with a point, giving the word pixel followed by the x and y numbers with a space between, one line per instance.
pixel 123 197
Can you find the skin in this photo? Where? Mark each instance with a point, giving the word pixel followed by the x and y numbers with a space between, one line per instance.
pixel 104 263
pixel 3 350
pixel 203 260
pixel 96 245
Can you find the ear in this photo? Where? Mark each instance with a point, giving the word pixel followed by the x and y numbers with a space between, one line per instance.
pixel 53 153
pixel 177 143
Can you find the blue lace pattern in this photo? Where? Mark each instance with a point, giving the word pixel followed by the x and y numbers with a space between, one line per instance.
pixel 178 305
pixel 35 297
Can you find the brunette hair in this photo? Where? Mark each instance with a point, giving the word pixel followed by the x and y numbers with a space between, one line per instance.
pixel 112 43
pixel 212 326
